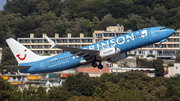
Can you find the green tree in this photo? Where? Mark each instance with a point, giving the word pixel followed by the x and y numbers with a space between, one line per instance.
pixel 8 57
pixel 61 93
pixel 159 69
pixel 9 92
pixel 177 60
pixel 80 83
pixel 42 7
pixel 35 94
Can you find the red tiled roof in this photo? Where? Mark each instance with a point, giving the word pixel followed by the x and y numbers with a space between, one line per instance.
pixel 65 75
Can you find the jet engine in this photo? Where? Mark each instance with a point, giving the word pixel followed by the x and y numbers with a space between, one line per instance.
pixel 118 57
pixel 109 52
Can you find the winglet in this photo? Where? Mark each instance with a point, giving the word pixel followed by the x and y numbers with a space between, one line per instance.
pixel 51 42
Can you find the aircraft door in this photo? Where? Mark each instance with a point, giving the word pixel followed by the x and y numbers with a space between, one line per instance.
pixel 42 65
pixel 153 33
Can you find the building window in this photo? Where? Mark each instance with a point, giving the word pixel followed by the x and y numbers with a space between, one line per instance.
pixel 176 40
pixel 106 35
pixel 40 52
pixel 176 45
pixel 40 41
pixel 33 46
pixel 78 46
pixel 46 46
pixel 40 46
pixel 71 45
pixel 98 40
pixel 52 52
pixel 78 41
pixel 65 41
pixel 176 34
pixel 27 46
pixel 170 46
pixel 71 41
pixel 59 52
pixel 151 52
pixel 98 35
pixel 163 46
pixel 21 41
pixel 90 40
pixel 27 41
pixel 84 40
pixel 59 41
pixel 45 41
pixel 119 34
pixel 34 41
pixel 112 35
pixel 151 46
pixel 157 45
pixel 46 52
pixel 170 40
pixel 84 45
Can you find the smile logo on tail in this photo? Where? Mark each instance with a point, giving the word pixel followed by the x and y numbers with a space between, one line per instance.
pixel 23 57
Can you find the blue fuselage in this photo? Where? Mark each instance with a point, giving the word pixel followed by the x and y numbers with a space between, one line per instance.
pixel 125 43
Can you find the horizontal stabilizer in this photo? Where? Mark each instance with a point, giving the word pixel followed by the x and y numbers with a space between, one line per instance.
pixel 17 67
pixel 50 41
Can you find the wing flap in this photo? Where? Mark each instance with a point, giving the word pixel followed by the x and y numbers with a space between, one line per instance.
pixel 17 67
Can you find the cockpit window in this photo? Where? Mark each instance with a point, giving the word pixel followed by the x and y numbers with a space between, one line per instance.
pixel 162 28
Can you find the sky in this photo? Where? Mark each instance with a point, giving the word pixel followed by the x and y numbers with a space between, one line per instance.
pixel 2 3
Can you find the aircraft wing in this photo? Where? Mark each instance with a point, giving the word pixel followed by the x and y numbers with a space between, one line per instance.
pixel 75 51
pixel 16 67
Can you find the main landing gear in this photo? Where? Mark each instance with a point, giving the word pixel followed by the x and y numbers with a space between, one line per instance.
pixel 94 64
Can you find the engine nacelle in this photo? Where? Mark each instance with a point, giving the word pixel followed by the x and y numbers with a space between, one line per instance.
pixel 109 52
pixel 118 57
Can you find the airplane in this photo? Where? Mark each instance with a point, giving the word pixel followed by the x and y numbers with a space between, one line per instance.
pixel 112 50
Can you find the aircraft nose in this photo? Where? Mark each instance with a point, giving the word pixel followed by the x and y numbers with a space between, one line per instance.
pixel 170 31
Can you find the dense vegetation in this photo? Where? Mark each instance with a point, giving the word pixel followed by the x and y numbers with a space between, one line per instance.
pixel 22 17
pixel 128 86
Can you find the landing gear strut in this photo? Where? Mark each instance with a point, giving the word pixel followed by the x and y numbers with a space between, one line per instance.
pixel 94 64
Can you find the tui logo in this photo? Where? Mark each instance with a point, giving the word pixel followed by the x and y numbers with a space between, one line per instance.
pixel 23 57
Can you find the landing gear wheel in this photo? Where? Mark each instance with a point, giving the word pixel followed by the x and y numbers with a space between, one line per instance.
pixel 94 64
pixel 100 66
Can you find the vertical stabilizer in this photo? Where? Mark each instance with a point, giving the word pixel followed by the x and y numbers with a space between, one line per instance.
pixel 21 53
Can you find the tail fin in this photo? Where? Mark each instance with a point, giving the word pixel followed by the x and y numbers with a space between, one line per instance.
pixel 21 53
